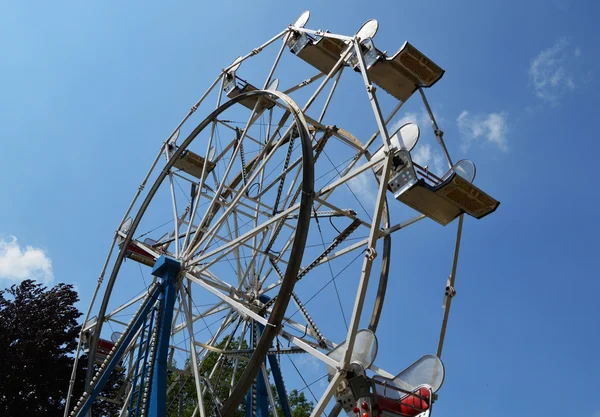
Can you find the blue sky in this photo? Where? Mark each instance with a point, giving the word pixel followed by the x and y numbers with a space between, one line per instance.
pixel 89 91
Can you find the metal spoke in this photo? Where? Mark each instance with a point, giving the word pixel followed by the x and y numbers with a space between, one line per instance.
pixel 246 244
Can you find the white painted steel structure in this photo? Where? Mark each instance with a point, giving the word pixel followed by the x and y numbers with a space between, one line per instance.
pixel 264 189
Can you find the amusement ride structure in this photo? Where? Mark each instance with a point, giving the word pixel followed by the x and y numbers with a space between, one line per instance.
pixel 251 210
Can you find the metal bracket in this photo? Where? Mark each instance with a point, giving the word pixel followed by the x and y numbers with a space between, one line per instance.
pixel 371 253
pixel 370 55
pixel 297 41
pixel 450 291
pixel 404 173
pixel 345 395
pixel 230 82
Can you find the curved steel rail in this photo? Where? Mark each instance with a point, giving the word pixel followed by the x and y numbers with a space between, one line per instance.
pixel 297 250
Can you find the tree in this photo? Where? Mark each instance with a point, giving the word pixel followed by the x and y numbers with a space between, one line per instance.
pixel 113 389
pixel 38 331
pixel 299 405
pixel 38 336
pixel 184 389
pixel 184 386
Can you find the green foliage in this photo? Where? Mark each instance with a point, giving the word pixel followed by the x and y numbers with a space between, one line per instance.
pixel 38 330
pixel 184 392
pixel 113 389
pixel 184 388
pixel 299 405
pixel 38 335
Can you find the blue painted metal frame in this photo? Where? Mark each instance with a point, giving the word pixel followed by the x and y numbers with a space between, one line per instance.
pixel 139 379
pixel 166 269
pixel 276 371
pixel 281 393
pixel 120 350
pixel 262 396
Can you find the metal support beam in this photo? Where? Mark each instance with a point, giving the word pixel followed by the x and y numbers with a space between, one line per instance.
pixel 281 393
pixel 276 372
pixel 262 397
pixel 439 135
pixel 450 287
pixel 166 269
pixel 374 232
pixel 122 346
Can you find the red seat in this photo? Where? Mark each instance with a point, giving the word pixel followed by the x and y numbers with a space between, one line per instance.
pixel 140 255
pixel 410 405
pixel 103 350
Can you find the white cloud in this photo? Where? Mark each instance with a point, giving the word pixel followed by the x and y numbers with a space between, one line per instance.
pixel 420 119
pixel 423 153
pixel 310 363
pixel 407 118
pixel 364 186
pixel 552 71
pixel 424 156
pixel 492 127
pixel 18 263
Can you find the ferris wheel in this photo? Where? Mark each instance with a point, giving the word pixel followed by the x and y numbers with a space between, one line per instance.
pixel 263 231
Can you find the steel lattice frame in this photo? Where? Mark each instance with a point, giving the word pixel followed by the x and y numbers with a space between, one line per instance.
pixel 252 302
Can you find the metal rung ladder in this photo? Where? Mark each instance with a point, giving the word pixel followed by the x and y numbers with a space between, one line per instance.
pixel 141 373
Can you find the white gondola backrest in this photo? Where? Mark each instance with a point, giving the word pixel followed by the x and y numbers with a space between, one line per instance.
pixel 363 353
pixel 429 371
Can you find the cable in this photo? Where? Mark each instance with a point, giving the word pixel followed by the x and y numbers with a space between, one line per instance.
pixel 156 228
pixel 326 284
pixel 303 380
pixel 312 383
pixel 346 184
pixel 186 289
pixel 330 269
pixel 142 274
